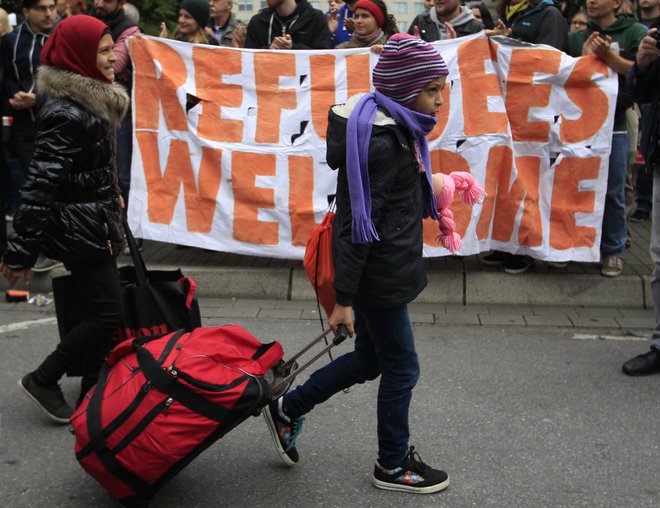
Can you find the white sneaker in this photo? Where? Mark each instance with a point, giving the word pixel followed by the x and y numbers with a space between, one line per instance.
pixel 45 264
pixel 612 266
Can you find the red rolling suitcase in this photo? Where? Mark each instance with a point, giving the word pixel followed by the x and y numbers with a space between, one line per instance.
pixel 162 400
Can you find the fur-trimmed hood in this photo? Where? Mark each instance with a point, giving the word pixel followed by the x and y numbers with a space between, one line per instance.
pixel 107 101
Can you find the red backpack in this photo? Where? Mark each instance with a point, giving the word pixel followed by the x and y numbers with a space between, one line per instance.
pixel 319 265
pixel 162 400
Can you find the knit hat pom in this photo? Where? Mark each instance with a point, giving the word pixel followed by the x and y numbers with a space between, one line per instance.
pixel 445 186
pixel 406 65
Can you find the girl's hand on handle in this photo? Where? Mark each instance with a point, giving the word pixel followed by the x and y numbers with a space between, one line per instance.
pixel 342 314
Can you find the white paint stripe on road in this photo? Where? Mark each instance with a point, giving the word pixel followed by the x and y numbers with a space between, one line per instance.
pixel 24 325
pixel 586 336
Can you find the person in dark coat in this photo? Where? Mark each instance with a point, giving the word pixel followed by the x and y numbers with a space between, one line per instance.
pixel 377 142
pixel 288 24
pixel 71 206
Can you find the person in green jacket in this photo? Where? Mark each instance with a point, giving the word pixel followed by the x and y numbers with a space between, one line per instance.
pixel 614 38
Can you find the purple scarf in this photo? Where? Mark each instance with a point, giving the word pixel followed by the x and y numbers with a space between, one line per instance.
pixel 358 135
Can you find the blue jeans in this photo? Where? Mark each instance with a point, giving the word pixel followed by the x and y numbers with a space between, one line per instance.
pixel 613 240
pixel 655 252
pixel 644 188
pixel 385 346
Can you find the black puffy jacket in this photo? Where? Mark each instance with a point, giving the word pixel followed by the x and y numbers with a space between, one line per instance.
pixel 389 272
pixel 69 203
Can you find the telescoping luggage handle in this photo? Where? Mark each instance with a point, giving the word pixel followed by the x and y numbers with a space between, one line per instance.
pixel 294 369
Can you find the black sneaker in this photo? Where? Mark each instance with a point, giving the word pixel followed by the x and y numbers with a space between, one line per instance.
pixel 639 216
pixel 518 264
pixel 48 398
pixel 284 431
pixel 644 364
pixel 495 258
pixel 412 475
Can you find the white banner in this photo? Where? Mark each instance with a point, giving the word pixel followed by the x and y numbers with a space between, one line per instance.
pixel 229 145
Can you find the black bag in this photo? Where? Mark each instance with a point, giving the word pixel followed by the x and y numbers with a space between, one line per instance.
pixel 154 301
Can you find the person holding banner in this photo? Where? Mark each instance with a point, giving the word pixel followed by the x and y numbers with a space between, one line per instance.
pixel 643 82
pixel 71 205
pixel 377 141
pixel 373 25
pixel 288 24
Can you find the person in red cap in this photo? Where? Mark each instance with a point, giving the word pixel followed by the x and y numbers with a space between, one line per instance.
pixel 71 206
pixel 373 25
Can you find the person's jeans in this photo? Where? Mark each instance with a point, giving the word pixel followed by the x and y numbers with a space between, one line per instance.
pixel 91 339
pixel 655 253
pixel 644 188
pixel 385 345
pixel 613 241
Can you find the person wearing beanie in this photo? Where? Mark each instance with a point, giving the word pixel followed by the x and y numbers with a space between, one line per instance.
pixel 70 206
pixel 373 25
pixel 194 16
pixel 377 142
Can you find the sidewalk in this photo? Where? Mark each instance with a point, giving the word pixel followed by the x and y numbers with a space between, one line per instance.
pixel 453 281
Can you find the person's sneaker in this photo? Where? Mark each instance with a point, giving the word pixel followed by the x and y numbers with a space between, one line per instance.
pixel 284 431
pixel 495 258
pixel 557 264
pixel 412 475
pixel 644 364
pixel 612 266
pixel 49 398
pixel 518 264
pixel 45 264
pixel 639 216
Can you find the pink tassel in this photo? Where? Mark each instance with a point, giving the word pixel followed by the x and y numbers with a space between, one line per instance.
pixel 471 193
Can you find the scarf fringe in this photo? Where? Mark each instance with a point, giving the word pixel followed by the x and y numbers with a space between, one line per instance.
pixel 363 230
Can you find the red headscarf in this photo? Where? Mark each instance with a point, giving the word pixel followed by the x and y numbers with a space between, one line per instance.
pixel 373 9
pixel 74 44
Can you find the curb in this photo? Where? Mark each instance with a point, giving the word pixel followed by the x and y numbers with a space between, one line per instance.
pixel 444 287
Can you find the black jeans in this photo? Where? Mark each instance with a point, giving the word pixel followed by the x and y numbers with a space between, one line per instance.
pixel 91 339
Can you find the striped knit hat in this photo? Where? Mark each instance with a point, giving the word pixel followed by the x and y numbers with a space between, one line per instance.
pixel 406 65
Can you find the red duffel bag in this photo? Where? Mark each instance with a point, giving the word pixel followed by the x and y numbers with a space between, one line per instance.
pixel 162 400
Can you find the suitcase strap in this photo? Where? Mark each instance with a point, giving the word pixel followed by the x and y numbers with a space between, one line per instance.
pixel 167 381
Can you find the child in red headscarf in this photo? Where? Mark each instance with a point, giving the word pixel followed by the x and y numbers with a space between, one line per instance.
pixel 70 205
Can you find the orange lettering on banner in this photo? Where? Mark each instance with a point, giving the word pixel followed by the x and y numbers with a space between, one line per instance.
pixel 510 196
pixel 498 174
pixel 301 204
pixel 358 75
pixel 248 198
pixel 269 67
pixel 442 115
pixel 522 93
pixel 568 199
pixel 322 70
pixel 587 96
pixel 152 91
pixel 477 86
pixel 163 188
pixel 215 94
pixel 444 161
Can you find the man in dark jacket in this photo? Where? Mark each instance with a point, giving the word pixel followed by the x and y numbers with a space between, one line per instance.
pixel 431 26
pixel 223 23
pixel 537 22
pixel 288 24
pixel 644 84
pixel 21 56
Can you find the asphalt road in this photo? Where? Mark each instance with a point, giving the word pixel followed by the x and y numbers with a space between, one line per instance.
pixel 519 417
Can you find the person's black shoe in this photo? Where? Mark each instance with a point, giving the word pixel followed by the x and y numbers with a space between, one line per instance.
pixel 412 475
pixel 644 364
pixel 639 216
pixel 518 264
pixel 495 258
pixel 284 431
pixel 49 398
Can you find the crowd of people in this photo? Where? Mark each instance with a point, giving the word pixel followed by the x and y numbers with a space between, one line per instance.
pixel 66 85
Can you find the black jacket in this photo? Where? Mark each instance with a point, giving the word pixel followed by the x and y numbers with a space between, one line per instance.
pixel 645 89
pixel 389 272
pixel 464 24
pixel 69 203
pixel 542 24
pixel 306 26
